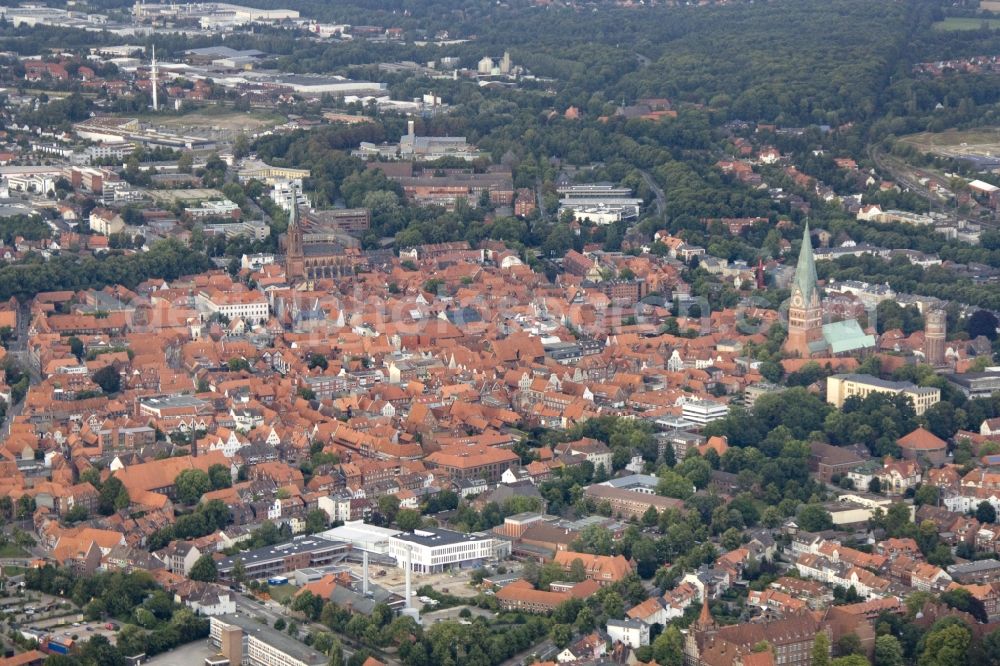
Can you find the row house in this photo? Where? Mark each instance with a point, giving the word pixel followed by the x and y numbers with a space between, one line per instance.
pixel 864 582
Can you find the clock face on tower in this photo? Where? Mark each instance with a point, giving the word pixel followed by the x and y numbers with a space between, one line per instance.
pixel 797 300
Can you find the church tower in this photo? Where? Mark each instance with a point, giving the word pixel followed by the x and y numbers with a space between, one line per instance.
pixel 700 634
pixel 295 264
pixel 805 314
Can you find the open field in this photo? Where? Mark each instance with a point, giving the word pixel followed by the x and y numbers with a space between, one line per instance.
pixel 976 144
pixel 282 593
pixel 955 23
pixel 10 550
pixel 216 118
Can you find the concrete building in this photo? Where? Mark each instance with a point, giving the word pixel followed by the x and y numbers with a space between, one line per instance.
pixel 977 384
pixel 599 203
pixel 434 550
pixel 702 412
pixel 841 387
pixel 243 640
pixel 287 192
pixel 282 558
pixel 362 536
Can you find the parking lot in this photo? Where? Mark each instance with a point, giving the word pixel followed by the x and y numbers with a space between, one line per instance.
pixel 83 631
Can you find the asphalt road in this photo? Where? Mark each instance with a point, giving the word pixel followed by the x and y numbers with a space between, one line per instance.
pixel 661 199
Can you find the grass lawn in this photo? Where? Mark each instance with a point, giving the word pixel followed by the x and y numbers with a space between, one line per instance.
pixel 12 550
pixel 282 592
pixel 957 23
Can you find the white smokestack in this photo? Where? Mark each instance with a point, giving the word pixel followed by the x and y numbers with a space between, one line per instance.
pixel 152 80
pixel 409 565
pixel 365 572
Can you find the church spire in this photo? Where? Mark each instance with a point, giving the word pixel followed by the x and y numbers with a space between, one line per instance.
pixel 705 619
pixel 294 251
pixel 805 271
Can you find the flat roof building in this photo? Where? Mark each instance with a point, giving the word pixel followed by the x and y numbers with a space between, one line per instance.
pixel 703 412
pixel 282 558
pixel 362 536
pixel 841 387
pixel 244 640
pixel 434 550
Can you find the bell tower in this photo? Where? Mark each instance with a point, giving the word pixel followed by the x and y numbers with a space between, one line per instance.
pixel 295 264
pixel 805 313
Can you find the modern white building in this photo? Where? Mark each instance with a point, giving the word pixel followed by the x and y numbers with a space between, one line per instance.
pixel 287 192
pixel 703 412
pixel 224 208
pixel 599 203
pixel 434 550
pixel 362 536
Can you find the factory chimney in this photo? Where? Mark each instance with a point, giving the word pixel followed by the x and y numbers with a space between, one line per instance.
pixel 153 81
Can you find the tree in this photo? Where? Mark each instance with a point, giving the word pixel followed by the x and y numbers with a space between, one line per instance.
pixel 991 648
pixel 318 361
pixel 946 646
pixel 672 484
pixel 850 660
pixel 219 476
pixel 185 162
pixel 985 513
pixel 849 643
pixel 113 496
pixel 191 485
pixel 76 347
pixel 983 322
pixel 204 569
pixel 76 514
pixel 668 648
pixel 408 519
pixel 108 379
pixel 561 635
pixel 821 650
pixel 927 494
pixel 239 570
pixel 316 521
pixel 814 518
pixel 388 507
pixel 888 651
pixel 336 653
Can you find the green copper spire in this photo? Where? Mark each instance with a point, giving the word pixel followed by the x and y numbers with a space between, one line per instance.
pixel 805 271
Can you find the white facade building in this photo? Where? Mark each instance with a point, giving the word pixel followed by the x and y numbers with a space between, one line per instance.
pixel 634 633
pixel 434 550
pixel 250 306
pixel 287 192
pixel 704 411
